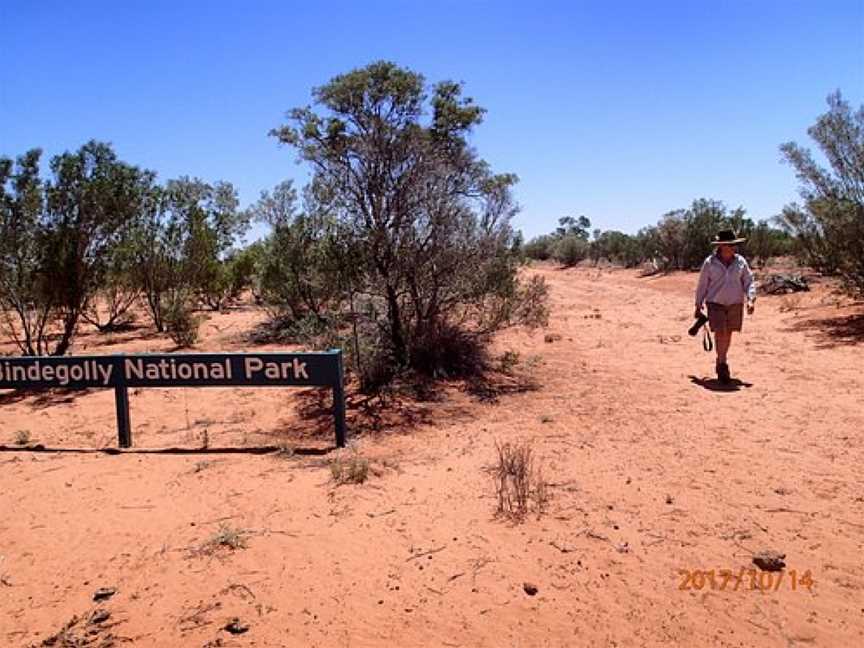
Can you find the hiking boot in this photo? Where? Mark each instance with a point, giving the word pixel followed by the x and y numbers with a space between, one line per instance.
pixel 723 373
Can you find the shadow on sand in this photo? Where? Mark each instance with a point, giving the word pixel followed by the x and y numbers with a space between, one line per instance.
pixel 831 332
pixel 712 384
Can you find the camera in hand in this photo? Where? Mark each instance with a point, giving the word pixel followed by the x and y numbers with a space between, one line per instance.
pixel 698 324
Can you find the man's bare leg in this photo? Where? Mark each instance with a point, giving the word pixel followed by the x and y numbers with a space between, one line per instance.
pixel 724 340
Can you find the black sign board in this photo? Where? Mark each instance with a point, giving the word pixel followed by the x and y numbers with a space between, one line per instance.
pixel 179 370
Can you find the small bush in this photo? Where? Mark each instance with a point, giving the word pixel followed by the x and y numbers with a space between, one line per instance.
pixel 540 248
pixel 518 482
pixel 351 470
pixel 570 250
pixel 182 324
pixel 22 437
pixel 508 361
pixel 449 352
pixel 225 537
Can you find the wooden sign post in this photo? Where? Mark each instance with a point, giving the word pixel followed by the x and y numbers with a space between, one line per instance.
pixel 179 370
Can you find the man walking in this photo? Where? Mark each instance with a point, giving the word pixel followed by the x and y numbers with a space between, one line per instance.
pixel 725 282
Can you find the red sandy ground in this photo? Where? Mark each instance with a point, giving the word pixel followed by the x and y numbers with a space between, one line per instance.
pixel 652 473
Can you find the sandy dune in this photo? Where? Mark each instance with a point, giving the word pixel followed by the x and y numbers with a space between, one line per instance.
pixel 653 471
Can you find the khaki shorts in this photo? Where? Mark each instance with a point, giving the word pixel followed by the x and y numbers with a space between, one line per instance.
pixel 725 318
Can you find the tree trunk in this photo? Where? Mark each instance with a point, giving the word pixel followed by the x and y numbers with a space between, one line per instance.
pixel 397 335
pixel 69 324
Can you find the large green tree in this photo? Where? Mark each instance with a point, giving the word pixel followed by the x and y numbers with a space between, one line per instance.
pixel 428 220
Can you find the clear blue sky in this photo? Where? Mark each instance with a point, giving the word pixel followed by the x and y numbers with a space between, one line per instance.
pixel 617 110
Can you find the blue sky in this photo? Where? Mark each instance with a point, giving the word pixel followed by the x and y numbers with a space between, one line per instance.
pixel 617 110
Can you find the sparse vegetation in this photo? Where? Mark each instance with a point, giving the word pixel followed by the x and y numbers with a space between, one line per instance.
pixel 519 483
pixel 508 361
pixel 350 469
pixel 226 537
pixel 829 226
pixel 22 437
pixel 679 241
pixel 414 223
pixel 181 322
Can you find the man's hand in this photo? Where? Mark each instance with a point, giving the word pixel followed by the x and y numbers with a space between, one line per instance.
pixel 751 306
pixel 698 312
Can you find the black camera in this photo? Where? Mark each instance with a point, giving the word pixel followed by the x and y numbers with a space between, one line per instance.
pixel 698 324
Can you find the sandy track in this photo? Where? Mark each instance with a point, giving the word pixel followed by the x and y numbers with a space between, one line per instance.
pixel 653 471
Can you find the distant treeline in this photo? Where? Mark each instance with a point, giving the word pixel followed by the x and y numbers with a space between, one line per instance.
pixel 680 241
pixel 825 230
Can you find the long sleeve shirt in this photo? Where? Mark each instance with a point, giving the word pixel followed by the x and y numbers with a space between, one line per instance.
pixel 722 284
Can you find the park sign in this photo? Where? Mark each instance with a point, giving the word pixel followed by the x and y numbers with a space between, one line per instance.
pixel 179 370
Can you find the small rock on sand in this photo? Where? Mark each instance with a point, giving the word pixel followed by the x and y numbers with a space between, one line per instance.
pixel 104 593
pixel 235 626
pixel 769 560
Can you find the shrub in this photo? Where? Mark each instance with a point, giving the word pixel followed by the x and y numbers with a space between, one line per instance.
pixel 518 482
pixel 766 242
pixel 351 470
pixel 226 537
pixel 829 226
pixel 539 248
pixel 420 224
pixel 570 250
pixel 182 324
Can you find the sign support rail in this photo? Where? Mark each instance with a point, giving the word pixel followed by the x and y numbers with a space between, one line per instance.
pixel 180 370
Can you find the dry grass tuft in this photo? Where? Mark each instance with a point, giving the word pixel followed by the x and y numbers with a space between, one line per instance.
pixel 519 482
pixel 225 537
pixel 353 469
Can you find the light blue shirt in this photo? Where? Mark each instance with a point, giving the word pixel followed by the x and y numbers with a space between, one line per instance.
pixel 722 284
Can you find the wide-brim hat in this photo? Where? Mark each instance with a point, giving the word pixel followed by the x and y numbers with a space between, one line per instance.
pixel 727 237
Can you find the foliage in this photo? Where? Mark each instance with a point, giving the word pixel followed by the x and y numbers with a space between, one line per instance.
pixel 765 242
pixel 57 238
pixel 181 322
pixel 119 287
pixel 539 248
pixel 616 247
pixel 682 238
pixel 679 241
pixel 226 537
pixel 572 226
pixel 829 226
pixel 353 469
pixel 299 268
pixel 184 242
pixel 419 217
pixel 24 304
pixel 570 250
pixel 519 482
pixel 242 269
